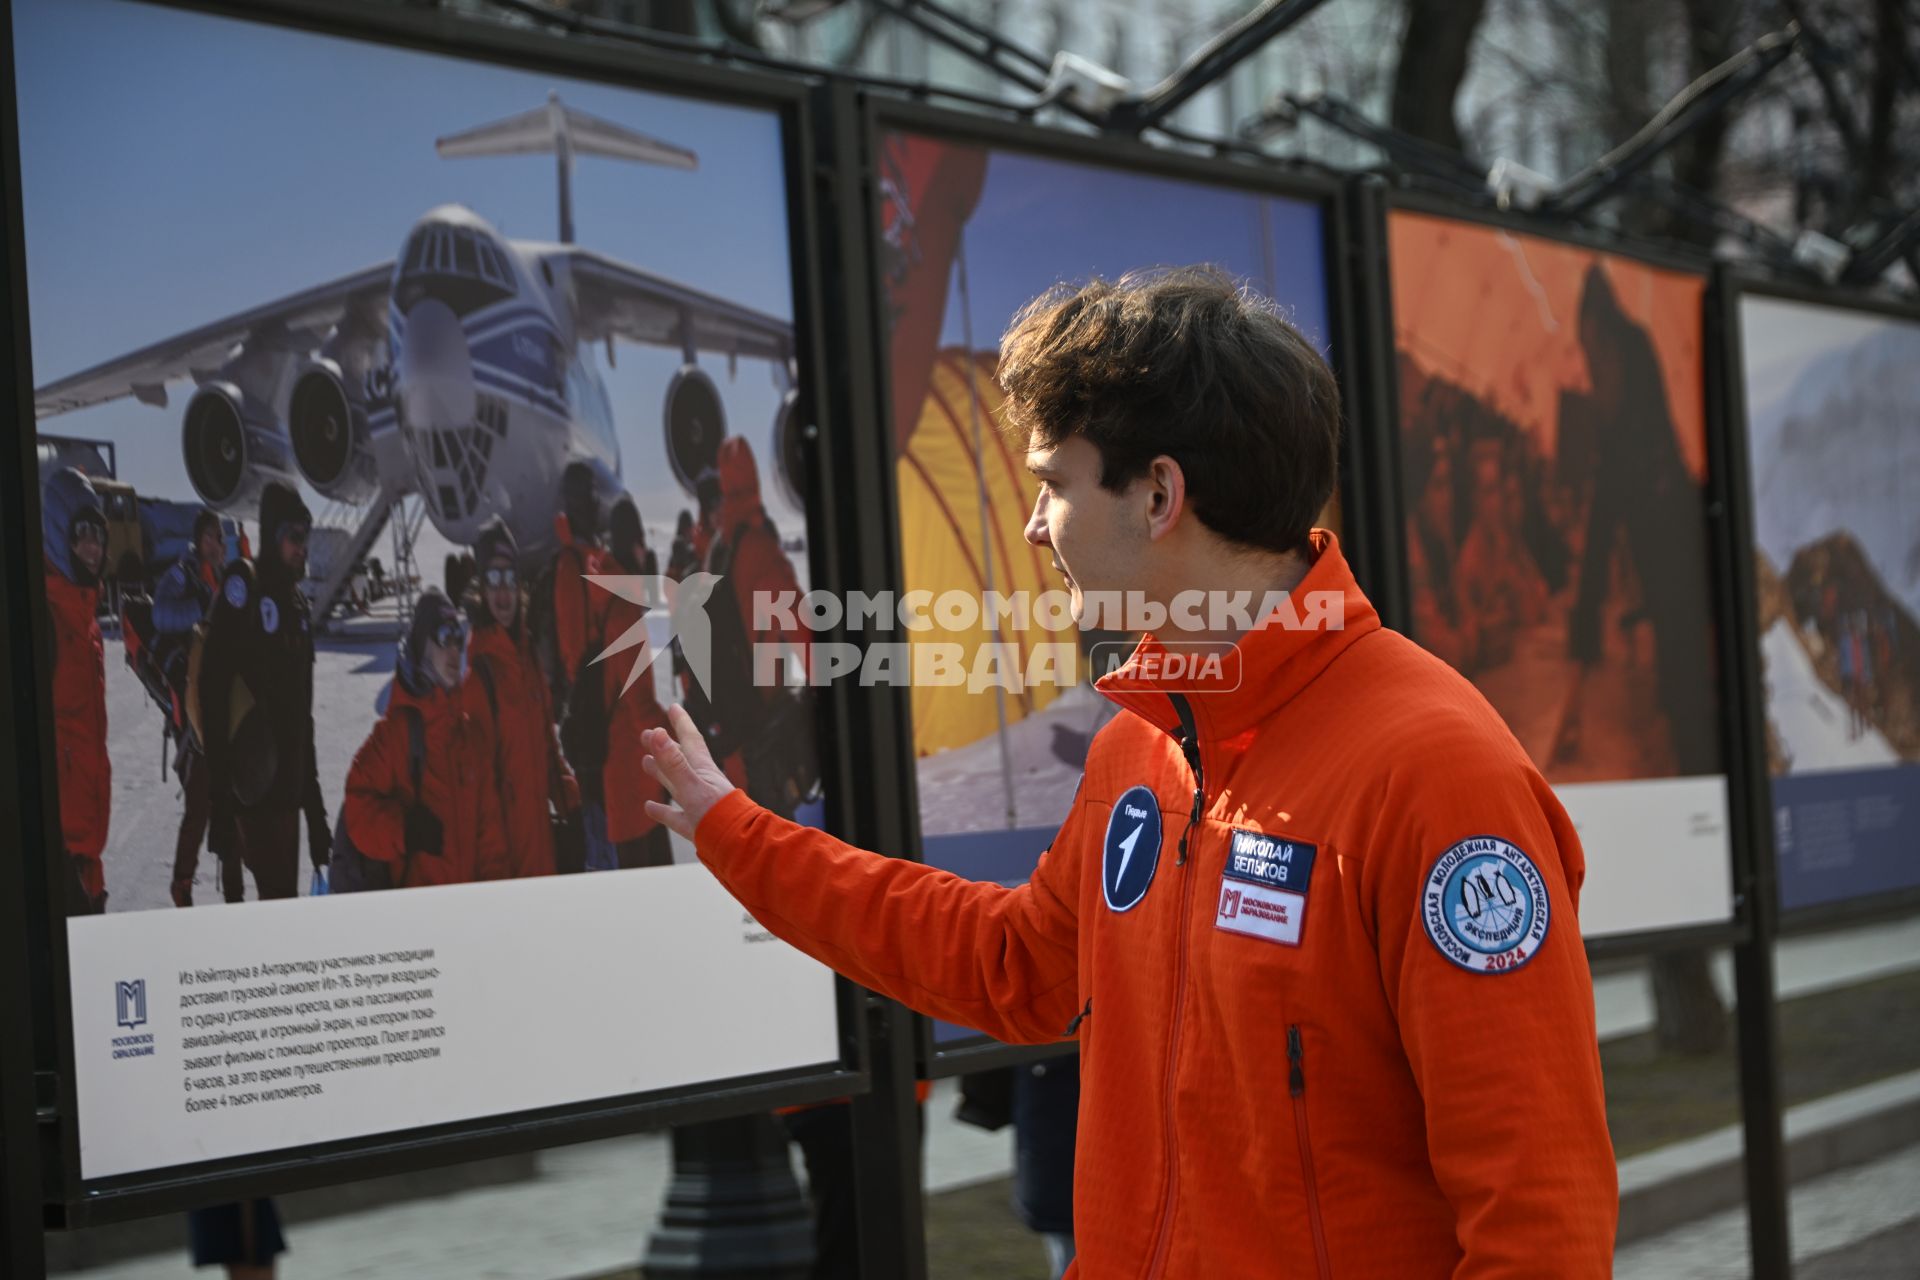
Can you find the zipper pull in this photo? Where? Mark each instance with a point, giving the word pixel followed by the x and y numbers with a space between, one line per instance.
pixel 1193 820
pixel 1296 1062
pixel 1190 748
pixel 1079 1018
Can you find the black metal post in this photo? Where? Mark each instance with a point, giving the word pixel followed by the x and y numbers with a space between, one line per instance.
pixel 1370 469
pixel 1749 809
pixel 886 1135
pixel 734 1210
pixel 886 1151
pixel 22 1195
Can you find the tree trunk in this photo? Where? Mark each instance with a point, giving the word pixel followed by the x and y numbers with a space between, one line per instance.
pixel 1629 87
pixel 1710 42
pixel 1688 1018
pixel 1876 178
pixel 1433 63
pixel 1629 93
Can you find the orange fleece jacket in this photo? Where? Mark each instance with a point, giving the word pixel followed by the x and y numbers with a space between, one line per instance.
pixel 1341 1024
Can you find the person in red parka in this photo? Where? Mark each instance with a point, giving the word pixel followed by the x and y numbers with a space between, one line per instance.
pixel 75 531
pixel 747 545
pixel 576 612
pixel 767 724
pixel 530 771
pixel 451 831
pixel 638 840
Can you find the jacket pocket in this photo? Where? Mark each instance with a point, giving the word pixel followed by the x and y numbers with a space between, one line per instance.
pixel 1297 1086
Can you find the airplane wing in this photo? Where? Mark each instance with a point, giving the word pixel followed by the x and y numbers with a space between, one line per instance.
pixel 612 298
pixel 298 318
pixel 538 132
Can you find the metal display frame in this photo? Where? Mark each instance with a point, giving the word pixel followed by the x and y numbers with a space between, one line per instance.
pixel 1374 205
pixel 1734 285
pixel 22 1250
pixel 880 113
pixel 846 759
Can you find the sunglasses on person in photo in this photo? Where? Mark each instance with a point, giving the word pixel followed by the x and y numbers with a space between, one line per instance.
pixel 296 534
pixel 450 635
pixel 502 576
pixel 87 530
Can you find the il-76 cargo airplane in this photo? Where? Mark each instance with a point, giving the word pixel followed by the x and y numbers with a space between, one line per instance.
pixel 454 372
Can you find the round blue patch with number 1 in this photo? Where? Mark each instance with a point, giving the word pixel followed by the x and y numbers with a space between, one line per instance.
pixel 1132 849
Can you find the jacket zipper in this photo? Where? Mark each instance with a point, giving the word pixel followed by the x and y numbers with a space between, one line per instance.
pixel 1297 1085
pixel 1189 747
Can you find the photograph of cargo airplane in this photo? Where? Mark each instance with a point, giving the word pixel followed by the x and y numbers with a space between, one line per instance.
pixel 455 373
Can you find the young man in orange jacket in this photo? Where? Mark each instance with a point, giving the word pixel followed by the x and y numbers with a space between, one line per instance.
pixel 1312 919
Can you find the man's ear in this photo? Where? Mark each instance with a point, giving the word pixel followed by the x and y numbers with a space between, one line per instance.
pixel 1166 495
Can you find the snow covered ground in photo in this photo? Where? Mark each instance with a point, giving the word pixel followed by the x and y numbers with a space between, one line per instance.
pixel 1811 718
pixel 965 789
pixel 349 675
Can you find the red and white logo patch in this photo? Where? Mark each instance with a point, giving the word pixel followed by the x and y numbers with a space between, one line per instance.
pixel 1261 912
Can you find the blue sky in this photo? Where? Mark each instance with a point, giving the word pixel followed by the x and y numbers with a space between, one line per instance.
pixel 177 168
pixel 1042 220
pixel 1781 338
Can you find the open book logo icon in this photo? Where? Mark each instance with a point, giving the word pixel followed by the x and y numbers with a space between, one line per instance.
pixel 130 1003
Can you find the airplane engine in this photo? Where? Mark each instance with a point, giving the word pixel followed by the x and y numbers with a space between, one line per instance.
pixel 790 450
pixel 328 427
pixel 696 422
pixel 232 449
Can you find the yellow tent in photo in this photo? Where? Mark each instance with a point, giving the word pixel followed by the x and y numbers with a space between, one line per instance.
pixel 965 494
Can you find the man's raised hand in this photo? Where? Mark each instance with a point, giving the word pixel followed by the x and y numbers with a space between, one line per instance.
pixel 682 763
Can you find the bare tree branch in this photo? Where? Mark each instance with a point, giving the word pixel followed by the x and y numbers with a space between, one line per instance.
pixel 1433 62
pixel 1830 89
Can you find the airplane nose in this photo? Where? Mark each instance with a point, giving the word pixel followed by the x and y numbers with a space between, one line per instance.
pixel 436 369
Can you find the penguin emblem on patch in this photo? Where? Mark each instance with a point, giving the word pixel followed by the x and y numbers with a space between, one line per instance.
pixel 1485 905
pixel 236 591
pixel 269 615
pixel 1132 849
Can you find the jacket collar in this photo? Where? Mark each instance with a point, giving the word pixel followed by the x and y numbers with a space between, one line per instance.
pixel 1266 668
pixel 493 640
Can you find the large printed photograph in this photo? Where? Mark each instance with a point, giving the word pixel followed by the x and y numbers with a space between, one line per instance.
pixel 358 373
pixel 970 234
pixel 1834 461
pixel 1553 453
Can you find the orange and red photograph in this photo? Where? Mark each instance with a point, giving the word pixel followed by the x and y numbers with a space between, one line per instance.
pixel 1553 453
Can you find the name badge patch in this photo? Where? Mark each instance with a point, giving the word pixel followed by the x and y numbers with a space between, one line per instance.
pixel 1263 889
pixel 1273 861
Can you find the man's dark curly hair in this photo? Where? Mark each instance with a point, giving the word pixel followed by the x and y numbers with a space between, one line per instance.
pixel 1182 362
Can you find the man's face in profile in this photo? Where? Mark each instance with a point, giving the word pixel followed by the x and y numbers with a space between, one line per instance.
pixel 1084 524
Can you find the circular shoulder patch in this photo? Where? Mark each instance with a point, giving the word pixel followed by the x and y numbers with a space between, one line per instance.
pixel 269 615
pixel 236 591
pixel 1485 905
pixel 1132 849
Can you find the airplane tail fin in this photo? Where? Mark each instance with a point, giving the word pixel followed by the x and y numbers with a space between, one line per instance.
pixel 559 130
